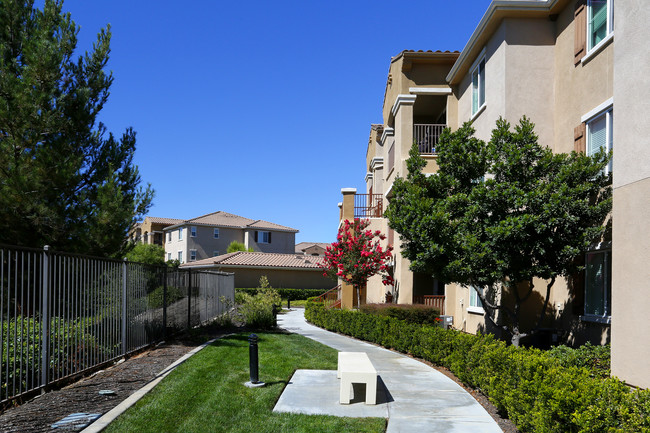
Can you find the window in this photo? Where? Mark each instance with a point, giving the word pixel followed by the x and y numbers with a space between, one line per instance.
pixel 475 304
pixel 216 233
pixel 263 237
pixel 169 236
pixel 598 283
pixel 180 234
pixel 478 87
pixel 599 21
pixel 180 256
pixel 193 231
pixel 600 135
pixel 192 255
pixel 215 253
pixel 169 256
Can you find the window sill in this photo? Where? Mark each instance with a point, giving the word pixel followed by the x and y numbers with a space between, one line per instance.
pixel 598 48
pixel 605 320
pixel 478 112
pixel 475 310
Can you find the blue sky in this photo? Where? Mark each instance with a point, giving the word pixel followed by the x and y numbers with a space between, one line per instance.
pixel 261 109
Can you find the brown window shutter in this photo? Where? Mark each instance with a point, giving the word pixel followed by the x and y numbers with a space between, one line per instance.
pixel 579 138
pixel 578 289
pixel 255 235
pixel 269 237
pixel 580 25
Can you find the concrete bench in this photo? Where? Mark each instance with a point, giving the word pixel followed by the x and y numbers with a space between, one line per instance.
pixel 355 367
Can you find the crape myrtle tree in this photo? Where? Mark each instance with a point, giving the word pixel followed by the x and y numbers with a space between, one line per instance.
pixel 357 255
pixel 64 181
pixel 498 215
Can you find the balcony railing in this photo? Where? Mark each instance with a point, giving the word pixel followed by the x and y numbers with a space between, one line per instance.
pixel 426 136
pixel 436 301
pixel 368 205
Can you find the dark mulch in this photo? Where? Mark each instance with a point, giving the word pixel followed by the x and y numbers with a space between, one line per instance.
pixel 38 414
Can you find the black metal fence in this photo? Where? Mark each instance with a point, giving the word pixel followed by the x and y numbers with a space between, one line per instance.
pixel 64 314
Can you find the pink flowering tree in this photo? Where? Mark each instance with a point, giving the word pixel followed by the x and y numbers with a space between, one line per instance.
pixel 357 255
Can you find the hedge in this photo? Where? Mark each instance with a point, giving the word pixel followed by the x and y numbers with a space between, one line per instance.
pixel 529 386
pixel 290 294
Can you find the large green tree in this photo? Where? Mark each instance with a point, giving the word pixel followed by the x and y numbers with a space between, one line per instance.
pixel 64 181
pixel 498 215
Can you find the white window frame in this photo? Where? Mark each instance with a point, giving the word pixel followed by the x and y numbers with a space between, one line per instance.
pixel 215 234
pixel 609 27
pixel 474 304
pixel 169 236
pixel 607 313
pixel 608 113
pixel 169 256
pixel 180 256
pixel 180 234
pixel 478 70
pixel 192 257
pixel 193 231
pixel 261 235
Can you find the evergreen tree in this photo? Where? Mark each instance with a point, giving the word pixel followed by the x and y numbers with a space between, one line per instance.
pixel 498 215
pixel 64 181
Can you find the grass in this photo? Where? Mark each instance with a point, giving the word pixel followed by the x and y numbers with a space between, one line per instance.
pixel 207 393
pixel 296 303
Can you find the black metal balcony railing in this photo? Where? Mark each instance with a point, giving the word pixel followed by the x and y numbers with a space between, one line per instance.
pixel 368 206
pixel 426 136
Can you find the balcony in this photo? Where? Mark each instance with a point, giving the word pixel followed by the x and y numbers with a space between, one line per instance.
pixel 426 136
pixel 368 206
pixel 436 301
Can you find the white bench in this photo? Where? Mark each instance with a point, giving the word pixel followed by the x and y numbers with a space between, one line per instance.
pixel 355 367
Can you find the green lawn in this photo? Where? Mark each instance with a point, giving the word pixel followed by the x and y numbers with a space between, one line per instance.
pixel 207 393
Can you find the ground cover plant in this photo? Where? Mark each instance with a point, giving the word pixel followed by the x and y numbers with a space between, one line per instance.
pixel 207 393
pixel 538 390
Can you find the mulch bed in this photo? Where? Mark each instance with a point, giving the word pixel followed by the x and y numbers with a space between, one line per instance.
pixel 38 414
pixel 124 378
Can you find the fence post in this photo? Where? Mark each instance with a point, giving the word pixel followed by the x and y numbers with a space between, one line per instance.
pixel 165 303
pixel 189 299
pixel 124 309
pixel 45 338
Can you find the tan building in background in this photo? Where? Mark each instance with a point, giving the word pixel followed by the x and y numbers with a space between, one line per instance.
pixel 151 230
pixel 209 236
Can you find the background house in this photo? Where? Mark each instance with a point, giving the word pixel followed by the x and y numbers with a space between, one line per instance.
pixel 151 230
pixel 295 271
pixel 312 248
pixel 209 236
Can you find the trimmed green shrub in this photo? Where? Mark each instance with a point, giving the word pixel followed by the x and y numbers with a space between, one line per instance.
pixel 420 314
pixel 155 298
pixel 290 294
pixel 596 359
pixel 539 391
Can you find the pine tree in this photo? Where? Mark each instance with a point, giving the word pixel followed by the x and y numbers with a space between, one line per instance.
pixel 64 181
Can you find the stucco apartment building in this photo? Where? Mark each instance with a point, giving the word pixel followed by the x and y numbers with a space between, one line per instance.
pixel 209 236
pixel 151 230
pixel 568 66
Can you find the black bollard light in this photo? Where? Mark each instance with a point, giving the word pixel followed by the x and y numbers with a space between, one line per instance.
pixel 288 304
pixel 253 362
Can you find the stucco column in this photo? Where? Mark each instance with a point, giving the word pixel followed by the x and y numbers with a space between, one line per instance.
pixel 403 112
pixel 348 203
pixel 347 213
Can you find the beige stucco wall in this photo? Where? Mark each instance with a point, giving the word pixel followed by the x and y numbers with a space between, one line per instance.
pixel 281 242
pixel 631 215
pixel 287 279
pixel 578 89
pixel 177 244
pixel 205 244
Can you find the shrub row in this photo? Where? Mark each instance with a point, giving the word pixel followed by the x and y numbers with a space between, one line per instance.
pixel 290 294
pixel 420 314
pixel 529 386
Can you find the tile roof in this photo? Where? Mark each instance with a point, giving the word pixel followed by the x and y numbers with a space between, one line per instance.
pixel 260 260
pixel 225 219
pixel 159 220
pixel 302 246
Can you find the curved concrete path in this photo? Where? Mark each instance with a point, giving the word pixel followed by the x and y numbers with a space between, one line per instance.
pixel 416 397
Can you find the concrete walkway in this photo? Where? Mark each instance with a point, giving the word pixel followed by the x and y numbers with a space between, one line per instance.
pixel 413 396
